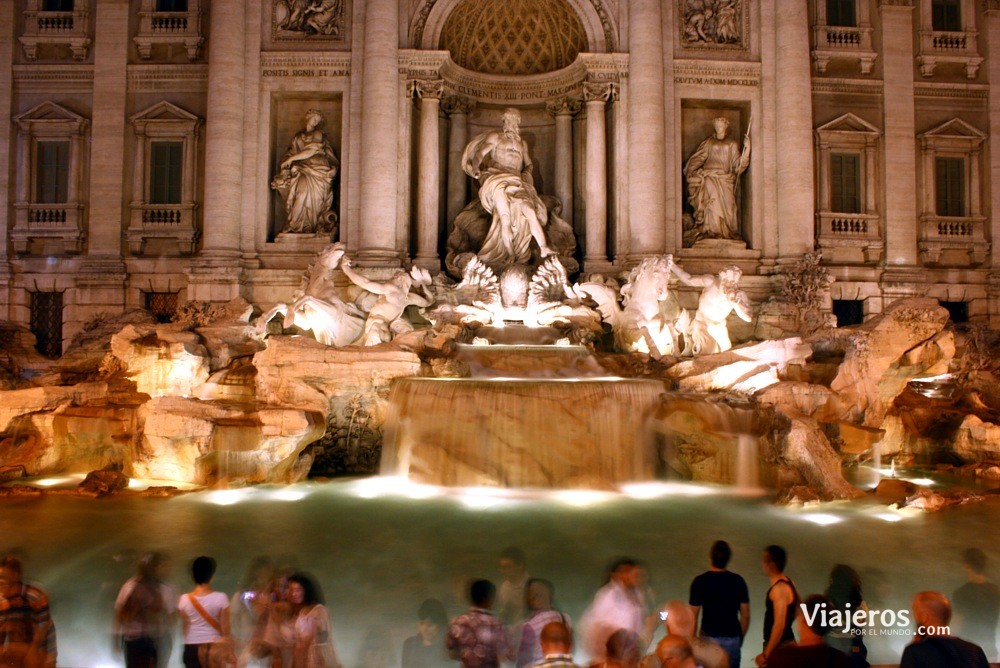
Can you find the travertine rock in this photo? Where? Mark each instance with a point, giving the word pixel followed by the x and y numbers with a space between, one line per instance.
pixel 195 441
pixel 884 354
pixel 805 448
pixel 746 369
pixel 977 441
pixel 163 361
pixel 798 398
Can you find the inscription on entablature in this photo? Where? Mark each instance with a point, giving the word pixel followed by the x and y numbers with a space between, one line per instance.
pixel 282 73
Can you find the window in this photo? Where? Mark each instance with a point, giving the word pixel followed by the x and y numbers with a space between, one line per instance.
pixel 845 182
pixel 166 172
pixel 57 5
pixel 957 311
pixel 841 13
pixel 950 186
pixel 163 305
pixel 46 322
pixel 946 15
pixel 849 312
pixel 52 172
pixel 171 5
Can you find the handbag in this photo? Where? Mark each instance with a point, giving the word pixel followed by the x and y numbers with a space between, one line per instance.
pixel 222 652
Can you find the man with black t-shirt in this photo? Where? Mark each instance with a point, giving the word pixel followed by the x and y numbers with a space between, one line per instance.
pixel 723 600
pixel 932 612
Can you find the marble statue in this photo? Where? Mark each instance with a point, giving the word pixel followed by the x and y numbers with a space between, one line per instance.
pixel 645 321
pixel 712 174
pixel 707 332
pixel 501 163
pixel 708 22
pixel 317 307
pixel 312 17
pixel 510 222
pixel 385 319
pixel 305 180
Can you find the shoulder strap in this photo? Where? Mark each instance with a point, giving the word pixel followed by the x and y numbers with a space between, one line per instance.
pixel 204 614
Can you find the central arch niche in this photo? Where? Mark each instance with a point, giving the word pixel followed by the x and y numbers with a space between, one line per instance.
pixel 513 37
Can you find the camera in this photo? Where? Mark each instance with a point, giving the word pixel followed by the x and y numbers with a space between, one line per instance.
pixel 663 615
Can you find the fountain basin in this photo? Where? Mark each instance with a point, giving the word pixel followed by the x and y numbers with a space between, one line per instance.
pixel 547 433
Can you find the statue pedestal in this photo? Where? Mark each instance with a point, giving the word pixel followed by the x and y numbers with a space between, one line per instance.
pixel 708 256
pixel 308 242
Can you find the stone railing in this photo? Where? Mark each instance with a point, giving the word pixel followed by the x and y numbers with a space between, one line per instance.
pixel 953 241
pixel 182 28
pixel 937 46
pixel 171 222
pixel 55 28
pixel 854 238
pixel 54 224
pixel 843 43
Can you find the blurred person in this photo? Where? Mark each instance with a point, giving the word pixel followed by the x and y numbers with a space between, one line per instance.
pixel 250 608
pixel 723 600
pixel 622 650
pixel 616 605
pixel 810 650
pixel 675 652
pixel 538 596
pixel 375 649
pixel 556 640
pixel 145 612
pixel 844 592
pixel 510 596
pixel 27 634
pixel 313 629
pixel 680 622
pixel 426 649
pixel 204 617
pixel 780 604
pixel 977 604
pixel 477 638
pixel 932 612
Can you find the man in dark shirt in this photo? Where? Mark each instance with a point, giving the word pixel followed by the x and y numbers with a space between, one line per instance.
pixel 810 651
pixel 724 602
pixel 977 604
pixel 931 613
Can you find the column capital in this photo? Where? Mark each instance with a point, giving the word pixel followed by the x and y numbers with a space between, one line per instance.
pixel 563 106
pixel 991 6
pixel 457 104
pixel 427 88
pixel 594 91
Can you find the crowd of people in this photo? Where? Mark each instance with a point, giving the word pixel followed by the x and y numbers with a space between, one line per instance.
pixel 277 617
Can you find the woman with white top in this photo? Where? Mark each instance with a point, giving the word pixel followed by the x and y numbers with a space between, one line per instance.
pixel 204 617
pixel 313 635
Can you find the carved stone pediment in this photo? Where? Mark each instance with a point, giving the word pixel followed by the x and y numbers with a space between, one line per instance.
pixel 49 111
pixel 956 128
pixel 164 112
pixel 848 123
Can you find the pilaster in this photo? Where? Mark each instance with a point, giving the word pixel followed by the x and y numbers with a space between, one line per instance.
pixel 6 113
pixel 428 171
pixel 595 96
pixel 992 30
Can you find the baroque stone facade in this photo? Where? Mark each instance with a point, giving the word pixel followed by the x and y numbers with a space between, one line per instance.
pixel 140 140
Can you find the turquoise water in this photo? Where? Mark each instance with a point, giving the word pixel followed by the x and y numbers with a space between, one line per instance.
pixel 380 546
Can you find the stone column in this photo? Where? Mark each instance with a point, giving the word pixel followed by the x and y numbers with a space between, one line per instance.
pixel 215 275
pixel 102 276
pixel 379 135
pixel 992 30
pixel 563 109
pixel 900 215
pixel 646 136
pixel 793 94
pixel 595 196
pixel 428 170
pixel 6 111
pixel 458 109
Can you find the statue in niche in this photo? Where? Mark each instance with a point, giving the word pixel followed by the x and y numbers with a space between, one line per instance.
pixel 510 223
pixel 707 332
pixel 712 174
pixel 312 17
pixel 305 180
pixel 712 22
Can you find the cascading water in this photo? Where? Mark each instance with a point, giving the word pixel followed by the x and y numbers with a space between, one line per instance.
pixel 528 417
